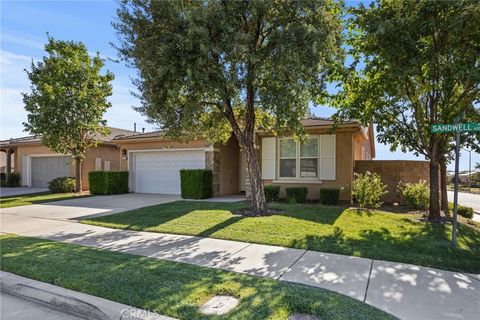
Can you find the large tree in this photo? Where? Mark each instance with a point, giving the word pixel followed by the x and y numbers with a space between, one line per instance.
pixel 68 99
pixel 206 68
pixel 416 63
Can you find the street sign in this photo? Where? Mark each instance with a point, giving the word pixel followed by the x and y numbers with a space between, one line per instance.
pixel 457 128
pixel 462 127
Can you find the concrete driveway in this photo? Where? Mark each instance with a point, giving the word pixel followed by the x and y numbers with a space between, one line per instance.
pixel 8 192
pixel 88 206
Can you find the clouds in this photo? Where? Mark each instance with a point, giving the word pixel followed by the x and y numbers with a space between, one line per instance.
pixel 14 81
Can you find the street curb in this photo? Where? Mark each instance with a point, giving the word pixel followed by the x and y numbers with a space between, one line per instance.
pixel 72 302
pixel 64 303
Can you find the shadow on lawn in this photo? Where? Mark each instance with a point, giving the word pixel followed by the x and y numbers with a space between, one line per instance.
pixel 429 247
pixel 169 288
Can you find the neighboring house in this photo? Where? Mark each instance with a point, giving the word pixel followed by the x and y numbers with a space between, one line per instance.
pixel 3 162
pixel 326 160
pixel 38 165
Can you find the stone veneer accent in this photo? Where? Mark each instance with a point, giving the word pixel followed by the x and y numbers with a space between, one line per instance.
pixel 248 190
pixel 212 162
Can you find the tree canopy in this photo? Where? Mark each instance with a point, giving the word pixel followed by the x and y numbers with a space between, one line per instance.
pixel 207 68
pixel 416 63
pixel 68 99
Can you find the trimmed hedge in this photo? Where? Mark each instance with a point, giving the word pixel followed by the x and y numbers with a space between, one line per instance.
pixel 329 196
pixel 108 182
pixel 3 179
pixel 296 194
pixel 62 185
pixel 10 179
pixel 466 212
pixel 271 193
pixel 196 183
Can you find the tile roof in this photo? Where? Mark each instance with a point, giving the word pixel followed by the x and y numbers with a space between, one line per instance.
pixel 321 121
pixel 114 133
pixel 308 122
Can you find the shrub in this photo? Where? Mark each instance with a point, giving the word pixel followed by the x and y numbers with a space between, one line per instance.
pixel 196 183
pixel 12 179
pixel 296 194
pixel 108 182
pixel 329 196
pixel 3 179
pixel 466 212
pixel 368 190
pixel 271 193
pixel 416 195
pixel 62 185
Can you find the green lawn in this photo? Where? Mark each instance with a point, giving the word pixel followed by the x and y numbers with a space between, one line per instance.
pixel 377 235
pixel 170 288
pixel 23 200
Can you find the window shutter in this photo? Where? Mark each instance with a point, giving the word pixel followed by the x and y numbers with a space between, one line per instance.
pixel 98 164
pixel 327 157
pixel 268 158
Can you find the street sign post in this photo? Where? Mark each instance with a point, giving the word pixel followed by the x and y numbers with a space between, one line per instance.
pixel 457 128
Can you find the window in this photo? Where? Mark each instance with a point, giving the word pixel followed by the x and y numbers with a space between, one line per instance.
pixel 309 158
pixel 313 159
pixel 288 158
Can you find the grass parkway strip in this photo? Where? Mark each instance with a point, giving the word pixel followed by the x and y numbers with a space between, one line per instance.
pixel 35 198
pixel 170 288
pixel 377 235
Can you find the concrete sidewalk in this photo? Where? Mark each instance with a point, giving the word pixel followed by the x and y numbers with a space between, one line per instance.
pixel 406 291
pixel 88 207
pixel 19 191
pixel 47 301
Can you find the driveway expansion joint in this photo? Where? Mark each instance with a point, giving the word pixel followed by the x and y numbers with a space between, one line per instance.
pixel 290 267
pixel 368 281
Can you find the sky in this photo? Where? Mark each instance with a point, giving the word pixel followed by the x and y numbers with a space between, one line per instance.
pixel 23 32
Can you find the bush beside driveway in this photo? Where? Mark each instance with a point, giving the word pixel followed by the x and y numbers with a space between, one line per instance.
pixel 376 235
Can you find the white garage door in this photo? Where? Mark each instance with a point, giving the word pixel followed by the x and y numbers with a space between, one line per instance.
pixel 45 169
pixel 159 172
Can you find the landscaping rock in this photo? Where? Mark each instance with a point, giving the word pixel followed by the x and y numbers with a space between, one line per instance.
pixel 219 305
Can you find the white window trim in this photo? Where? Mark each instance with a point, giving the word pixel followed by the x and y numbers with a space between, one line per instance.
pixel 317 157
pixel 297 178
pixel 283 158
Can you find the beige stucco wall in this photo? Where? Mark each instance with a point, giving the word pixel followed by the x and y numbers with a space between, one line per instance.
pixel 106 152
pixel 393 172
pixel 361 141
pixel 343 168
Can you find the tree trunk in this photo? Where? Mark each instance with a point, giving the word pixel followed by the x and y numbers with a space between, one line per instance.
pixel 259 204
pixel 443 186
pixel 434 209
pixel 78 175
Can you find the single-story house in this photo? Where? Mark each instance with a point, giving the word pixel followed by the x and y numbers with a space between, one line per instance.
pixel 326 160
pixel 38 165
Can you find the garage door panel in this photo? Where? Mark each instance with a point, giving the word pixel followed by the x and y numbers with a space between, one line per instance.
pixel 45 169
pixel 159 172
